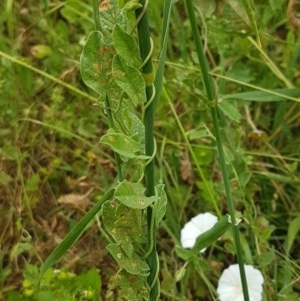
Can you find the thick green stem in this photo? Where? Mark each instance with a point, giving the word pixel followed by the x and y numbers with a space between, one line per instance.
pixel 213 103
pixel 145 43
pixel 149 146
pixel 147 70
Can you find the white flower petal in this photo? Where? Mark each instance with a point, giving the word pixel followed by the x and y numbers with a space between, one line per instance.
pixel 196 226
pixel 230 286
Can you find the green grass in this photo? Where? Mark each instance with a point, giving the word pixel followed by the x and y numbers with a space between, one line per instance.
pixel 51 125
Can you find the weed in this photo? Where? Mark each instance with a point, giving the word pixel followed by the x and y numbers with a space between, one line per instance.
pixel 77 140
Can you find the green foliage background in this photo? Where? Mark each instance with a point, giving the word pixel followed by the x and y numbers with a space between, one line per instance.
pixel 51 124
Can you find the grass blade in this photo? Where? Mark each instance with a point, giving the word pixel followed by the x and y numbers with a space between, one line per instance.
pixel 74 234
pixel 158 81
pixel 265 96
pixel 212 235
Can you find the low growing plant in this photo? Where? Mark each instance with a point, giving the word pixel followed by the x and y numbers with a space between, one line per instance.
pixel 57 285
pixel 117 65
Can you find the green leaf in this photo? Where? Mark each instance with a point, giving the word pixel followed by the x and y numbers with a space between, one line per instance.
pixel 127 248
pixel 265 259
pixel 96 64
pixel 123 224
pixel 108 213
pixel 129 5
pixel 230 110
pixel 181 272
pixel 32 183
pixel 134 125
pixel 5 179
pixel 294 228
pixel 182 253
pixel 14 296
pixel 121 143
pixel 75 12
pixel 90 280
pixel 265 96
pixel 132 195
pixel 251 15
pixel 160 204
pixel 130 287
pixel 74 234
pixel 130 80
pixel 277 177
pixel 202 132
pixel 212 235
pixel 126 46
pixel 132 264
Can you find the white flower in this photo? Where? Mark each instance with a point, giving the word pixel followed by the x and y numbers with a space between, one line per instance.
pixel 196 226
pixel 230 285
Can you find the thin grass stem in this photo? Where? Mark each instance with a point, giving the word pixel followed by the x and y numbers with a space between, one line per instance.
pixel 23 63
pixel 271 64
pixel 213 103
pixel 193 155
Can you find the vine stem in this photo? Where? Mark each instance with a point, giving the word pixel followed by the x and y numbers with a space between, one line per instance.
pixel 213 103
pixel 146 47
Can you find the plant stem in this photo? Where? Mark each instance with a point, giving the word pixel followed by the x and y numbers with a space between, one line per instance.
pixel 250 12
pixel 96 14
pixel 147 70
pixel 213 103
pixel 207 187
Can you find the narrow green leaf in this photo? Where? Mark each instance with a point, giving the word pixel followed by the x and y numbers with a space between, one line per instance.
pixel 206 239
pixel 160 204
pixel 212 235
pixel 294 228
pixel 184 254
pixel 129 79
pixel 132 195
pixel 277 177
pixel 264 96
pixel 74 234
pixel 121 143
pixel 250 12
